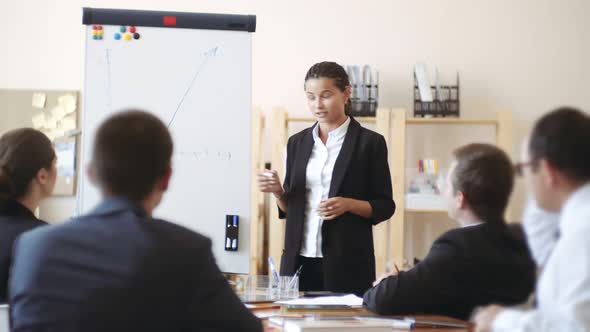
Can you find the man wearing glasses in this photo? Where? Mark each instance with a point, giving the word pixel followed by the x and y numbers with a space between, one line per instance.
pixel 556 168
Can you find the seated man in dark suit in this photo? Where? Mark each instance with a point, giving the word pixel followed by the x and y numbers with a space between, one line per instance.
pixel 481 262
pixel 117 268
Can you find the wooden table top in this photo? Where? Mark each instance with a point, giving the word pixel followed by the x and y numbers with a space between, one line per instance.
pixel 264 311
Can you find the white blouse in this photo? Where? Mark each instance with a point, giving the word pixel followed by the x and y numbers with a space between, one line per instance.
pixel 317 183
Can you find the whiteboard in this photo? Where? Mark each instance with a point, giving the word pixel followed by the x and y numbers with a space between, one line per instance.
pixel 4 319
pixel 198 82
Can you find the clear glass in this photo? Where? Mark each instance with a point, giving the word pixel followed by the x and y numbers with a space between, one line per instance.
pixel 260 288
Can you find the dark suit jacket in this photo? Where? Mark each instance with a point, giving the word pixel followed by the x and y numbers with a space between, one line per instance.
pixel 116 269
pixel 465 268
pixel 361 172
pixel 14 220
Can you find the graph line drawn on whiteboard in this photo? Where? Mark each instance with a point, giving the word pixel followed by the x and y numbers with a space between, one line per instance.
pixel 109 102
pixel 207 55
pixel 205 154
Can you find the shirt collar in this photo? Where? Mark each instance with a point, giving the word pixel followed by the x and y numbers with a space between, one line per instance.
pixel 115 204
pixel 472 225
pixel 334 134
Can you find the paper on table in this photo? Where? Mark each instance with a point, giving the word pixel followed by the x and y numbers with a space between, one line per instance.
pixel 350 300
pixel 39 99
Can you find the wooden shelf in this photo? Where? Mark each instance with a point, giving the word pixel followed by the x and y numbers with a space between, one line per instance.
pixel 455 121
pixel 310 119
pixel 502 124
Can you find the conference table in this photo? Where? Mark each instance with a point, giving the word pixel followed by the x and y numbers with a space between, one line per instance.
pixel 264 311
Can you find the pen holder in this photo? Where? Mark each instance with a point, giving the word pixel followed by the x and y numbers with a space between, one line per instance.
pixel 288 287
pixel 263 287
pixel 232 232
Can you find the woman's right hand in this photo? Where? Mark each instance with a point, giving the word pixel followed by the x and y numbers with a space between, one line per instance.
pixel 269 182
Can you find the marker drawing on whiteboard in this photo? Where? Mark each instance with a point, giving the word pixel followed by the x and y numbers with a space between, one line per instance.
pixel 109 85
pixel 210 53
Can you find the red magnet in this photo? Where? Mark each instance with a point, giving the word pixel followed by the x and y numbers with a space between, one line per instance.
pixel 169 20
pixel 132 29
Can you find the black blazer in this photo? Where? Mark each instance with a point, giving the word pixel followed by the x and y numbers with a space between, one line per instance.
pixel 14 220
pixel 465 268
pixel 361 172
pixel 116 269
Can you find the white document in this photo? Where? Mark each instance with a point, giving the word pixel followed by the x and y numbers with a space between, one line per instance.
pixel 66 158
pixel 38 121
pixel 423 82
pixel 68 102
pixel 336 325
pixel 350 300
pixel 58 112
pixel 39 99
pixel 54 133
pixel 50 122
pixel 67 123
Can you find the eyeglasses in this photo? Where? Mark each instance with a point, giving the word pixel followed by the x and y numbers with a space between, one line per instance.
pixel 519 167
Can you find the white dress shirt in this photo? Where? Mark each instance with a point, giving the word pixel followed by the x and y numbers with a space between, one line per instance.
pixel 563 290
pixel 317 184
pixel 541 229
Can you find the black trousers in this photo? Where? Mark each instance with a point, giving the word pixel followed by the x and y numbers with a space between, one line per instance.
pixel 312 274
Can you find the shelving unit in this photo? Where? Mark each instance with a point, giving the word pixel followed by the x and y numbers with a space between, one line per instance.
pixel 400 123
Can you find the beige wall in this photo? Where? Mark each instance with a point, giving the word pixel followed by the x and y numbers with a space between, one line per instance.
pixel 524 55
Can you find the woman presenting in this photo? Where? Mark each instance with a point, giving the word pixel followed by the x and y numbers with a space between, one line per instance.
pixel 337 186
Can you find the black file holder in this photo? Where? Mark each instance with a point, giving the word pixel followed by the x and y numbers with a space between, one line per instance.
pixel 445 104
pixel 363 108
pixel 364 95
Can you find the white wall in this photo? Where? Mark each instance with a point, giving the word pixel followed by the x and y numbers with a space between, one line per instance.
pixel 526 55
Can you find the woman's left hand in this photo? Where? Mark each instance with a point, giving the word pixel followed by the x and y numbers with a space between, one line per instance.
pixel 334 207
